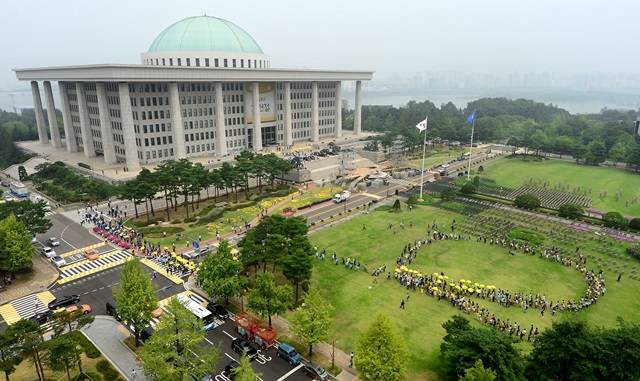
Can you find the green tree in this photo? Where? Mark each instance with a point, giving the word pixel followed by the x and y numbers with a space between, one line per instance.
pixel 297 264
pixel 618 153
pixel 633 159
pixel 219 274
pixel 478 373
pixel 149 186
pixel 527 201
pixel 29 340
pixel 468 188
pixel 614 220
pixel 15 246
pixel 571 211
pixel 64 321
pixel 30 214
pixel 596 153
pixel 245 372
pixel 463 345
pixel 176 351
pixel 62 353
pixel 135 298
pixel 267 298
pixel 10 355
pixel 381 352
pixel 311 322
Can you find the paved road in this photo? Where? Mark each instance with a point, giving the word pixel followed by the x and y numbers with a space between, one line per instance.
pixel 97 289
pixel 70 234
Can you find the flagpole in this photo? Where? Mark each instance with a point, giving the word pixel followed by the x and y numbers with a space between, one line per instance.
pixel 473 126
pixel 424 149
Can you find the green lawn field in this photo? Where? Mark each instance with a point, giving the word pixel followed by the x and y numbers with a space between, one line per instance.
pixel 434 158
pixel 358 299
pixel 516 172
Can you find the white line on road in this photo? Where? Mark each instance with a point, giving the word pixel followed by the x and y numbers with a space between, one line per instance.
pixel 229 356
pixel 209 341
pixel 65 241
pixel 227 333
pixel 289 373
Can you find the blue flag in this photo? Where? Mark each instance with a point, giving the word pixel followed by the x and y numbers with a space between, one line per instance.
pixel 471 118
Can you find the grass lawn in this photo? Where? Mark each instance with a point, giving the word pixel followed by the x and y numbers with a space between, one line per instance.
pixel 516 172
pixel 307 197
pixel 433 158
pixel 357 300
pixel 26 371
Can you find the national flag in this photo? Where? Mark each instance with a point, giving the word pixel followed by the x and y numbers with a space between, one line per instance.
pixel 471 118
pixel 422 125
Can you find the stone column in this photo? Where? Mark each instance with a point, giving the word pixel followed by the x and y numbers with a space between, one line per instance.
pixel 128 131
pixel 357 112
pixel 108 147
pixel 338 110
pixel 176 121
pixel 67 123
pixel 315 119
pixel 221 137
pixel 248 112
pixel 51 115
pixel 257 123
pixel 37 105
pixel 288 135
pixel 87 138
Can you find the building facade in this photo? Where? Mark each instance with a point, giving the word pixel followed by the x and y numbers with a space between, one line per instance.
pixel 204 88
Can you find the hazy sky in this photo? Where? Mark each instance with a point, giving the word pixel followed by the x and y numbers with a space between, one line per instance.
pixel 389 37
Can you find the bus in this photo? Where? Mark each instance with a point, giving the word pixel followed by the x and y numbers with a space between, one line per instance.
pixel 18 189
pixel 194 307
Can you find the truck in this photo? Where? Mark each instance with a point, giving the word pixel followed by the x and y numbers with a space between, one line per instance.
pixel 19 190
pixel 342 196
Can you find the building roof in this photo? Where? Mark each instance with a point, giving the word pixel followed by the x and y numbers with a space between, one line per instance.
pixel 148 73
pixel 205 33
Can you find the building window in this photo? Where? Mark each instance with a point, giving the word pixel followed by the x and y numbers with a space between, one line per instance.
pixel 242 63
pixel 234 62
pixel 188 61
pixel 206 62
pixel 225 62
pixel 198 62
pixel 170 61
pixel 179 62
pixel 163 63
pixel 215 62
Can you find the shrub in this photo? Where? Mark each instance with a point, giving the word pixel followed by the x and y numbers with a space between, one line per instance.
pixel 204 211
pixel 447 194
pixel 176 221
pixel 87 346
pixel 240 205
pixel 104 367
pixel 83 165
pixel 571 211
pixel 614 220
pixel 468 188
pixel 634 251
pixel 94 376
pixel 527 201
pixel 157 231
pixel 634 223
pixel 190 219
pixel 213 215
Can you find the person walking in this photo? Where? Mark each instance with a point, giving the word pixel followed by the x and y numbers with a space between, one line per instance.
pixel 351 360
pixel 402 304
pixel 133 375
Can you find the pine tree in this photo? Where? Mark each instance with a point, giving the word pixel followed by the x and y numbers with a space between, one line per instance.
pixel 381 352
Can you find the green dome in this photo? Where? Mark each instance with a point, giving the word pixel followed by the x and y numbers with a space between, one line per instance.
pixel 205 33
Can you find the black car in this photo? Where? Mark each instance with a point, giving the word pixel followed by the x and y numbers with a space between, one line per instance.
pixel 229 369
pixel 146 333
pixel 64 301
pixel 241 347
pixel 42 317
pixel 316 372
pixel 219 311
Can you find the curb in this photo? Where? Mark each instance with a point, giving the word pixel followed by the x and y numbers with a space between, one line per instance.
pixel 122 374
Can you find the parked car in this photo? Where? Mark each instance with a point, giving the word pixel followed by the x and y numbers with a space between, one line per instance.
pixel 241 346
pixel 157 312
pixel 219 311
pixel 146 333
pixel 288 353
pixel 4 183
pixel 316 372
pixel 86 308
pixel 63 301
pixel 42 317
pixel 58 261
pixel 48 252
pixel 53 241
pixel 111 310
pixel 230 368
pixel 34 239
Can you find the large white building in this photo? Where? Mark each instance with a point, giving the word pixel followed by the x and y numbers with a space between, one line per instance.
pixel 204 88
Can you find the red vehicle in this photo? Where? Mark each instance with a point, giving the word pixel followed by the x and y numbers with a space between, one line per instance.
pixel 246 326
pixel 265 337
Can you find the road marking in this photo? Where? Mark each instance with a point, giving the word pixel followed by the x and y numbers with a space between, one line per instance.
pixel 209 341
pixel 226 333
pixel 63 240
pixel 289 373
pixel 229 356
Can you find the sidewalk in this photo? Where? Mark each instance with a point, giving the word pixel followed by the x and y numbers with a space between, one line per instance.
pixel 107 335
pixel 42 275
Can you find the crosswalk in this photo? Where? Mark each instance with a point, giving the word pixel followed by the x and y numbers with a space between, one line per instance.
pixel 161 268
pixel 189 294
pixel 87 267
pixel 26 307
